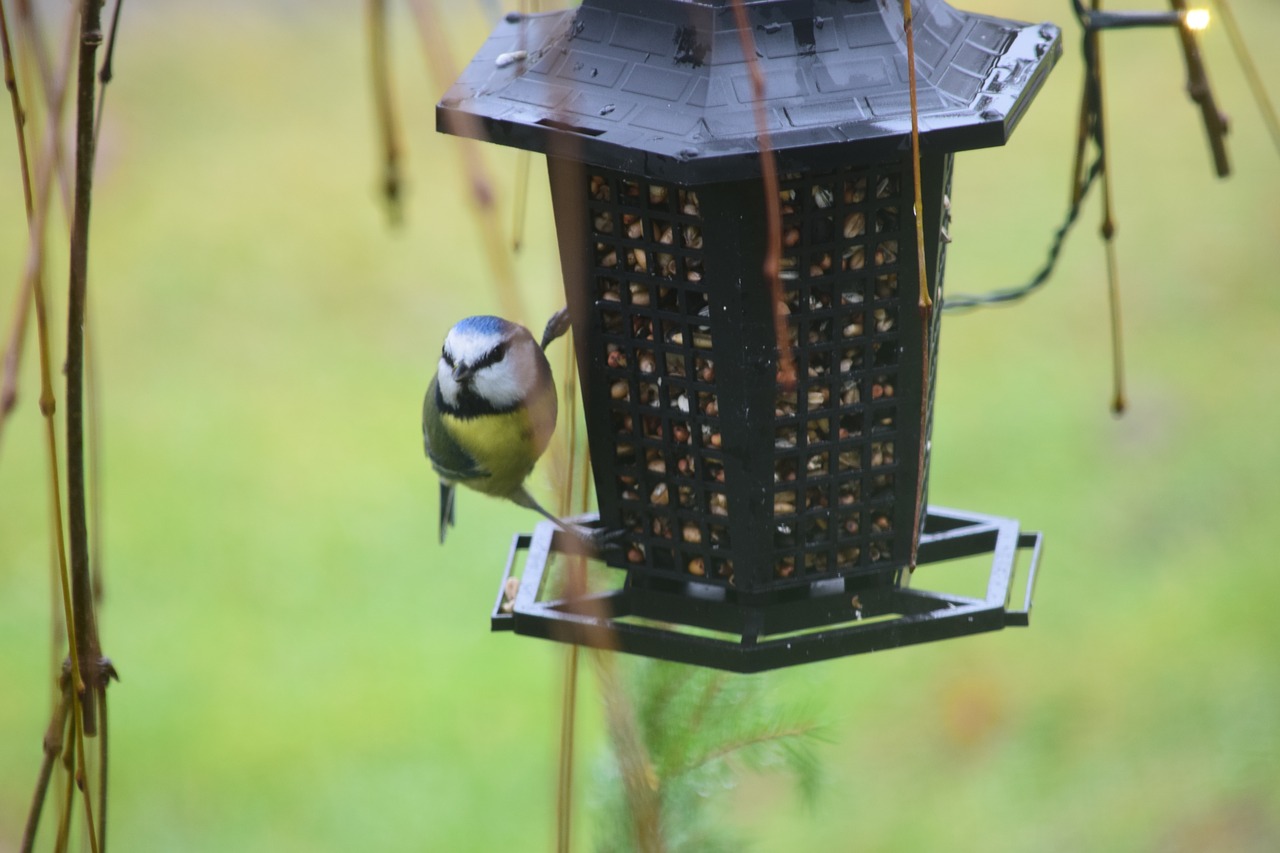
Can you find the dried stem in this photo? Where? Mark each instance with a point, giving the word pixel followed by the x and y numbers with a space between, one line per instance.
pixel 19 115
pixel 568 724
pixel 1093 84
pixel 93 399
pixel 52 84
pixel 577 581
pixel 773 214
pixel 1250 71
pixel 55 95
pixel 435 49
pixel 107 72
pixel 925 302
pixel 384 103
pixel 53 740
pixel 86 628
pixel 638 779
pixel 81 770
pixel 33 283
pixel 1215 123
pixel 68 794
pixel 103 755
pixel 17 334
pixel 520 209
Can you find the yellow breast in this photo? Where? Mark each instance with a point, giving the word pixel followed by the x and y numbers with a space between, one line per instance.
pixel 505 445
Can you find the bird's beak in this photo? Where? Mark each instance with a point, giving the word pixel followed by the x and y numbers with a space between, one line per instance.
pixel 462 372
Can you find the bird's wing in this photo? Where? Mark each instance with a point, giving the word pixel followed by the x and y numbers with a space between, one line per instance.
pixel 450 460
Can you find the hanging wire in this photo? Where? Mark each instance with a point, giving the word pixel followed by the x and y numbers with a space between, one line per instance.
pixel 1093 21
pixel 1091 130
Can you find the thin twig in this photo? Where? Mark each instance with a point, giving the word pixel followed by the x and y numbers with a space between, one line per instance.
pixel 93 399
pixel 19 115
pixel 772 211
pixel 435 49
pixel 103 755
pixel 568 725
pixel 55 94
pixel 575 583
pixel 82 770
pixel 391 184
pixel 33 278
pixel 86 628
pixel 107 72
pixel 925 302
pixel 22 311
pixel 68 795
pixel 639 782
pixel 94 395
pixel 1215 123
pixel 53 85
pixel 1251 74
pixel 520 208
pixel 53 740
pixel 736 746
pixel 1093 81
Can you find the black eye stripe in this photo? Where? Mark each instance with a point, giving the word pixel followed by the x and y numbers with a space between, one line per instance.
pixel 493 356
pixel 448 359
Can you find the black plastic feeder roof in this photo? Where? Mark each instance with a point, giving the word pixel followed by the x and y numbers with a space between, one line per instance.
pixel 662 89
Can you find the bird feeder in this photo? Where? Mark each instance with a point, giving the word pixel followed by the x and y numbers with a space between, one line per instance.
pixel 762 522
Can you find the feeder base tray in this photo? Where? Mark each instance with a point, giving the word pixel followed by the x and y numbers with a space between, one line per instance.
pixel 697 623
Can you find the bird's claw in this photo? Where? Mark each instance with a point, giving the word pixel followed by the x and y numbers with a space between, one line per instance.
pixel 596 540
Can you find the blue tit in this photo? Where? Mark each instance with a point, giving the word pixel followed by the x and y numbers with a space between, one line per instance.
pixel 489 412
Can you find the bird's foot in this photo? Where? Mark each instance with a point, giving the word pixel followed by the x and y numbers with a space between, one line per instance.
pixel 596 541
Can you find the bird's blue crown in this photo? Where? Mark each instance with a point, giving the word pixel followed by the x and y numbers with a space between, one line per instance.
pixel 484 324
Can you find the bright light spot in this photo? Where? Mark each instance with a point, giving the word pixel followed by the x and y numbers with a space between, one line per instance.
pixel 1197 19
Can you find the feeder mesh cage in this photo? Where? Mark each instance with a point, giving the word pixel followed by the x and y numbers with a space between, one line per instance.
pixel 714 469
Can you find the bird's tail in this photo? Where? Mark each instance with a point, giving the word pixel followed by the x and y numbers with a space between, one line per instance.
pixel 446 508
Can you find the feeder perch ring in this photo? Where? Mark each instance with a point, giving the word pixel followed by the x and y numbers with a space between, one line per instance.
pixel 695 623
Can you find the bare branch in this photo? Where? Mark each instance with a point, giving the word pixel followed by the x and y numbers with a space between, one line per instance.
pixel 773 215
pixel 384 103
pixel 107 72
pixel 86 628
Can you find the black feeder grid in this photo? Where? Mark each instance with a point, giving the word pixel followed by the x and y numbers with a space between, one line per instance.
pixel 763 526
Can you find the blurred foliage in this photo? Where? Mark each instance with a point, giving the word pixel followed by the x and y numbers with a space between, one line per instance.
pixel 701 729
pixel 304 669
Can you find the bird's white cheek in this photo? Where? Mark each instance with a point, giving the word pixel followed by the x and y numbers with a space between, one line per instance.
pixel 499 386
pixel 448 386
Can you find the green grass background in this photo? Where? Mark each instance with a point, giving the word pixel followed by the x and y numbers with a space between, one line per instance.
pixel 304 668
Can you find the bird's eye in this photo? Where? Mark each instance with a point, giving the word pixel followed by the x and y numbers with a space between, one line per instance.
pixel 493 356
pixel 448 359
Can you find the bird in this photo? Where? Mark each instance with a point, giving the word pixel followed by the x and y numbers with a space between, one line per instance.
pixel 490 411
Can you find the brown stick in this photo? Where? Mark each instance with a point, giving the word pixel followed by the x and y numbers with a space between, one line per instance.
pixel 52 84
pixel 86 632
pixel 384 104
pixel 435 49
pixel 772 211
pixel 107 72
pixel 53 740
pixel 925 303
pixel 638 779
pixel 1108 230
pixel 1251 74
pixel 1215 124
pixel 22 311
